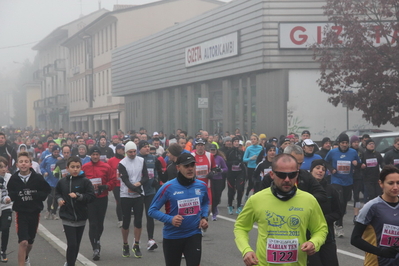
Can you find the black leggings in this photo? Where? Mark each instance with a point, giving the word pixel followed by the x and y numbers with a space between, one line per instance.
pixel 250 173
pixel 74 237
pixel 190 247
pixel 150 220
pixel 6 219
pixel 358 187
pixel 96 213
pixel 345 195
pixel 235 182
pixel 217 187
pixel 138 206
pixel 371 189
pixel 327 256
pixel 52 204
pixel 117 196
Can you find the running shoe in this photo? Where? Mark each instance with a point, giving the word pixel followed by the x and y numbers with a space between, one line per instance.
pixel 339 231
pixel 126 251
pixel 54 217
pixel 3 256
pixel 120 223
pixel 27 261
pixel 48 216
pixel 230 210
pixel 152 244
pixel 214 217
pixel 239 210
pixel 96 254
pixel 136 251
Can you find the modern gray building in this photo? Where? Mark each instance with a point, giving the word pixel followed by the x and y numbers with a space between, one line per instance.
pixel 246 61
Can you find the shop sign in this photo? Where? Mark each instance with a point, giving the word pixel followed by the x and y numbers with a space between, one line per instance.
pixel 216 49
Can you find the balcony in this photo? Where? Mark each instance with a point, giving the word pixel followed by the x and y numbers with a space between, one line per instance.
pixel 49 70
pixel 38 75
pixel 58 101
pixel 59 65
pixel 39 105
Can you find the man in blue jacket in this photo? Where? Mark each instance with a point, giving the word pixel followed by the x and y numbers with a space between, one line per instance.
pixel 186 215
pixel 47 167
pixel 343 159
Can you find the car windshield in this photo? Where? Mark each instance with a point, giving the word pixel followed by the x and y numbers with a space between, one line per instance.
pixel 383 144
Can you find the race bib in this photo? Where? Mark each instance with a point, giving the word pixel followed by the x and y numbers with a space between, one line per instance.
pixel 103 158
pixel 201 171
pixel 389 235
pixel 52 167
pixel 372 162
pixel 282 250
pixel 396 161
pixel 64 172
pixel 150 173
pixel 343 167
pixel 189 207
pixel 266 171
pixel 96 182
pixel 235 167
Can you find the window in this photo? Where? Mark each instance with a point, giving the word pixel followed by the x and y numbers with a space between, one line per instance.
pixel 106 38
pixel 110 36
pixel 107 82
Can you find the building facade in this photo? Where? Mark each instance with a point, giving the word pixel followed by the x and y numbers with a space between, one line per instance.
pixel 243 65
pixel 52 109
pixel 92 105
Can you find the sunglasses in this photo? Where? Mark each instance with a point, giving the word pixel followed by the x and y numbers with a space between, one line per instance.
pixel 189 165
pixel 284 175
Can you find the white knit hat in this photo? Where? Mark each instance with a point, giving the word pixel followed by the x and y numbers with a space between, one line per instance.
pixel 130 146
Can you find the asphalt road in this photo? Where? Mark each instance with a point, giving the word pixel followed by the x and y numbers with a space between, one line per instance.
pixel 218 243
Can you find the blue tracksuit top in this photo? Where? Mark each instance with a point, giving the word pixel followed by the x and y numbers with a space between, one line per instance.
pixel 307 161
pixel 191 202
pixel 342 162
pixel 48 166
pixel 249 152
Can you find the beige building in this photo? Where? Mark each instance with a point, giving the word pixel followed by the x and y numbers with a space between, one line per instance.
pixel 33 93
pixel 92 106
pixel 52 107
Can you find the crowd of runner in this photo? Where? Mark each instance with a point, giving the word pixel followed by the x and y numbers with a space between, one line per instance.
pixel 187 175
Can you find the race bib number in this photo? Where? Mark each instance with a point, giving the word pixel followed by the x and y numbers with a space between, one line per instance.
pixel 150 173
pixel 201 171
pixel 372 162
pixel 282 250
pixel 189 207
pixel 235 168
pixel 52 167
pixel 103 158
pixel 266 171
pixel 343 167
pixel 64 172
pixel 96 182
pixel 396 161
pixel 389 235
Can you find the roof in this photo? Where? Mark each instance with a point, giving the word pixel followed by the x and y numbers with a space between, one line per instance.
pixel 59 32
pixel 133 7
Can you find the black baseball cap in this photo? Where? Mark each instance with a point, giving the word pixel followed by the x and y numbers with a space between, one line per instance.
pixel 185 158
pixel 143 143
pixel 94 149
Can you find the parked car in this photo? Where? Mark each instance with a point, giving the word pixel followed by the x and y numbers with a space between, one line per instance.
pixel 384 141
pixel 361 132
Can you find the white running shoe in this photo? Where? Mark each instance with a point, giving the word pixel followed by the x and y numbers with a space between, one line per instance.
pixel 27 262
pixel 152 245
pixel 339 231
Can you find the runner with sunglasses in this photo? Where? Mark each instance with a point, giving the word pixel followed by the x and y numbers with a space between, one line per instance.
pixel 186 200
pixel 305 181
pixel 283 221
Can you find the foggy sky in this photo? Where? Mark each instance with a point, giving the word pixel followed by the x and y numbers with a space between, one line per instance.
pixel 29 21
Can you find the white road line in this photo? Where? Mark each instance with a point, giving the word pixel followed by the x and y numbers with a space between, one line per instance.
pixel 343 252
pixel 46 234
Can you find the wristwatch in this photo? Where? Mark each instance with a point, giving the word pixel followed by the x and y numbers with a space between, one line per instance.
pixel 206 218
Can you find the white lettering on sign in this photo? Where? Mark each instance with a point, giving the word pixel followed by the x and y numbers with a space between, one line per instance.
pixel 219 48
pixel 303 35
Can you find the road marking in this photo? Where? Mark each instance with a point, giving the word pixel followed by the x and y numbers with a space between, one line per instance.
pixel 53 239
pixel 343 252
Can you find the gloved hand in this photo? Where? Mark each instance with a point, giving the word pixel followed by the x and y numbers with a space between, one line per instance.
pixel 389 252
pixel 102 188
